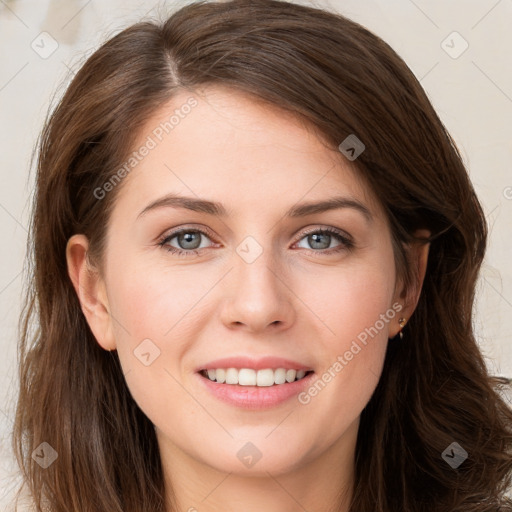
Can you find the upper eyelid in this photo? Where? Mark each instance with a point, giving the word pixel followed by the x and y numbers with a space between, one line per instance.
pixel 178 231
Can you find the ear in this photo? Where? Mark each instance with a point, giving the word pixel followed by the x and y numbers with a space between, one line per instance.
pixel 91 291
pixel 418 257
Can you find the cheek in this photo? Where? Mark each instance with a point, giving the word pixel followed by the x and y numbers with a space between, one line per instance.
pixel 350 298
pixel 355 308
pixel 154 301
pixel 154 318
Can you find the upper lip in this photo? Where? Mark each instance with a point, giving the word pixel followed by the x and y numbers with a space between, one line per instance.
pixel 256 364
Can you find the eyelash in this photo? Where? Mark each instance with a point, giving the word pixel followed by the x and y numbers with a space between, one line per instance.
pixel 346 243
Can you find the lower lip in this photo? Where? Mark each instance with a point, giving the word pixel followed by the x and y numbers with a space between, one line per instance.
pixel 255 397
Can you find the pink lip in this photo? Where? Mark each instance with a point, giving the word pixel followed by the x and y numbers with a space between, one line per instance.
pixel 254 397
pixel 255 364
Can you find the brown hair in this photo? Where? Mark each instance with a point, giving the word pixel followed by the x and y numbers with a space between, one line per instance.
pixel 340 78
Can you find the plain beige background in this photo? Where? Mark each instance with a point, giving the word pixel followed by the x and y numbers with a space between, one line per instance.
pixel 459 50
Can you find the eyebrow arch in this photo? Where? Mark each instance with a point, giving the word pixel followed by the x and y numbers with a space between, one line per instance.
pixel 217 209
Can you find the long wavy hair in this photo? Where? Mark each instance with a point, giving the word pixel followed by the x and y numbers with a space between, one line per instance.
pixel 341 79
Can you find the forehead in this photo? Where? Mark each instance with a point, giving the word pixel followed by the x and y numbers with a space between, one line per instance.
pixel 223 144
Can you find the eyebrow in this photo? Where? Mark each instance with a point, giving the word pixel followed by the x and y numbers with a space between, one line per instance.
pixel 218 210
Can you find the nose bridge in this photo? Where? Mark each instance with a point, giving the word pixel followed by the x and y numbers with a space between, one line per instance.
pixel 258 296
pixel 257 271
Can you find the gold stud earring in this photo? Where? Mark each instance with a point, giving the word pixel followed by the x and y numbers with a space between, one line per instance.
pixel 402 322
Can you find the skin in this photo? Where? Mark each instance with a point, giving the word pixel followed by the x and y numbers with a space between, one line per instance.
pixel 257 161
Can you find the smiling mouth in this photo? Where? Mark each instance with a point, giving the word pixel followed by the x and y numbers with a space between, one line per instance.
pixel 249 377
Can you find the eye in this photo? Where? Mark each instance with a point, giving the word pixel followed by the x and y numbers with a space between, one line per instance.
pixel 321 239
pixel 189 241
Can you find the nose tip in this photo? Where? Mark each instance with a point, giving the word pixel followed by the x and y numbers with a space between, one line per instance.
pixel 257 300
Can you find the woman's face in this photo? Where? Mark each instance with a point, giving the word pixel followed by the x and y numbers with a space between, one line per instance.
pixel 254 282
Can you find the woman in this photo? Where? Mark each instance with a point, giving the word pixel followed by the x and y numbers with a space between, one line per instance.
pixel 255 254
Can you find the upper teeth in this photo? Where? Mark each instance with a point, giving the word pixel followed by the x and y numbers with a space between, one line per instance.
pixel 250 377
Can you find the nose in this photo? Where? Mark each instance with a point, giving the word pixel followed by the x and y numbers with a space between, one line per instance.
pixel 258 298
